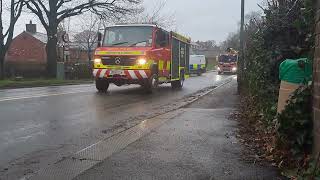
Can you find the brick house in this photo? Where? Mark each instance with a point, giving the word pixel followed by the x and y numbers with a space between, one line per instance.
pixel 316 75
pixel 27 54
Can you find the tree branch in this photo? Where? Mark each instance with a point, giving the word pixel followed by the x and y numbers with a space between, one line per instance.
pixel 43 7
pixel 37 10
pixel 15 12
pixel 107 9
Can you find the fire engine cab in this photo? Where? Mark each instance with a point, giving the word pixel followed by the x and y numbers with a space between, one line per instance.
pixel 142 54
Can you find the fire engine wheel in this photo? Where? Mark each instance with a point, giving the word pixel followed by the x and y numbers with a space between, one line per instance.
pixel 151 84
pixel 178 84
pixel 102 85
pixel 219 72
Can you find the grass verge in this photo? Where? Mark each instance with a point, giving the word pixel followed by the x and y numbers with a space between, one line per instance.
pixel 211 67
pixel 23 83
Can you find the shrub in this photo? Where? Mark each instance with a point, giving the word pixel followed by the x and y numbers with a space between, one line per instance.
pixel 295 124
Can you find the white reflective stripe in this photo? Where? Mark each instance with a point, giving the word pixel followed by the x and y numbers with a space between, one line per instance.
pixel 103 73
pixel 143 74
pixel 132 74
pixel 95 71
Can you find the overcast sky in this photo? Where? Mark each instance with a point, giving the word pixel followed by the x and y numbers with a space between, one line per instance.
pixel 207 19
pixel 199 19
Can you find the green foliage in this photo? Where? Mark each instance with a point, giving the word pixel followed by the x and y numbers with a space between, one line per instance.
pixel 295 123
pixel 284 32
pixel 78 71
pixel 312 172
pixel 257 80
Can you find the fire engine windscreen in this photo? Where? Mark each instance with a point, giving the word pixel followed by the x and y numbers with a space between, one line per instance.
pixel 227 58
pixel 128 36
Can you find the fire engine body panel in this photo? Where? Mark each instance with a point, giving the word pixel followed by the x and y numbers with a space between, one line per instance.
pixel 141 54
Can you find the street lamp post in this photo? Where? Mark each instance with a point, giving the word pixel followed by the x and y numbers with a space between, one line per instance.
pixel 241 63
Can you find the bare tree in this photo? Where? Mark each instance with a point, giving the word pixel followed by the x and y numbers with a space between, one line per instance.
pixel 6 33
pixel 87 39
pixel 232 41
pixel 52 12
pixel 154 15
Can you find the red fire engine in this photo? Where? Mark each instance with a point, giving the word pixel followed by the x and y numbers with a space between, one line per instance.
pixel 228 62
pixel 142 54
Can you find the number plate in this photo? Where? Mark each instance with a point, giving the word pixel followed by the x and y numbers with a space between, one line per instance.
pixel 117 72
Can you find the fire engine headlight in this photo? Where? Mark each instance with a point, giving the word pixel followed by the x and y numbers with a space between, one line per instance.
pixel 234 69
pixel 97 61
pixel 142 61
pixel 218 69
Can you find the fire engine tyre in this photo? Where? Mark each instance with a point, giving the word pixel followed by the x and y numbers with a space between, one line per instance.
pixel 178 84
pixel 219 73
pixel 151 84
pixel 102 85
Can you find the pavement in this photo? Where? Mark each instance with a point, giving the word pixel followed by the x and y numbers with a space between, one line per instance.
pixel 195 142
pixel 43 127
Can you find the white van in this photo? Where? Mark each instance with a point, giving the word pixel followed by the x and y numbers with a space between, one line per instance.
pixel 197 64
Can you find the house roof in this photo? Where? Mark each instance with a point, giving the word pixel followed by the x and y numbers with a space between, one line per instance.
pixel 74 45
pixel 40 36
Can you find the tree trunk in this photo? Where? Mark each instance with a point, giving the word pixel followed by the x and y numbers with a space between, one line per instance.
pixel 89 50
pixel 2 69
pixel 89 55
pixel 52 55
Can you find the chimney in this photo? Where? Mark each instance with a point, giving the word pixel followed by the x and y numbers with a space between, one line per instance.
pixel 31 28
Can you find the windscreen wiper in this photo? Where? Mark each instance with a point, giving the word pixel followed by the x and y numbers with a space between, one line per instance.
pixel 138 43
pixel 119 43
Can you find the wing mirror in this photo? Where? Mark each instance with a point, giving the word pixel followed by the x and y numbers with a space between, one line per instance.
pixel 99 39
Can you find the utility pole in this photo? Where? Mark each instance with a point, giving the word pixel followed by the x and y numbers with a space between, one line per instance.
pixel 241 63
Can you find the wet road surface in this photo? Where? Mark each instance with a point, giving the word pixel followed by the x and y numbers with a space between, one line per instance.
pixel 40 126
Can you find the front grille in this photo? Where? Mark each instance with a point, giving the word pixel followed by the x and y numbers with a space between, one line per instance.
pixel 120 61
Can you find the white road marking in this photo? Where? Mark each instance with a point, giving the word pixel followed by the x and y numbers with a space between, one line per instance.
pixel 39 95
